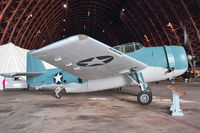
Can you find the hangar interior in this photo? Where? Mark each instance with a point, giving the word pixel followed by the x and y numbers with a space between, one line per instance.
pixel 34 24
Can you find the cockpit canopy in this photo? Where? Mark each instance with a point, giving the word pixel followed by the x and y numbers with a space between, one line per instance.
pixel 129 47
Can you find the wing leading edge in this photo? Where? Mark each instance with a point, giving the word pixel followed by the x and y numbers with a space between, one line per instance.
pixel 87 58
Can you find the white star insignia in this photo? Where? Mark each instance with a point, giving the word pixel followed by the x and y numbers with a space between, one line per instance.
pixel 95 61
pixel 58 78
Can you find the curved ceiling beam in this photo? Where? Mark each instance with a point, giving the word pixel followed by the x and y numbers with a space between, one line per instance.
pixel 151 22
pixel 176 15
pixel 144 22
pixel 102 19
pixel 74 20
pixel 79 3
pixel 86 4
pixel 45 26
pixel 26 21
pixel 45 20
pixel 98 16
pixel 34 24
pixel 191 19
pixel 133 31
pixel 84 10
pixel 167 18
pixel 9 21
pixel 136 26
pixel 19 19
pixel 87 22
pixel 38 20
pixel 119 27
pixel 157 19
pixel 77 20
pixel 112 39
pixel 56 21
pixel 4 10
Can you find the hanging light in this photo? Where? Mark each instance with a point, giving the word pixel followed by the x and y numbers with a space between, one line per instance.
pixel 30 16
pixel 65 5
pixel 169 24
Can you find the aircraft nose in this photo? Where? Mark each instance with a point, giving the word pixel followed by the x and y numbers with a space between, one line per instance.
pixel 181 61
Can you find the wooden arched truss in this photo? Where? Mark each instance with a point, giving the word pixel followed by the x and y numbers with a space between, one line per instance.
pixel 33 24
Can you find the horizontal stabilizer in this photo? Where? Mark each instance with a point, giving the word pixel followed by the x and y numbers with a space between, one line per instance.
pixel 20 74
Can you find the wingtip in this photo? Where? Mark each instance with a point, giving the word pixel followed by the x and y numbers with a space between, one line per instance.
pixel 82 37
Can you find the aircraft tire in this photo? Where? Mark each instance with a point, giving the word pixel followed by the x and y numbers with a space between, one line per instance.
pixel 144 97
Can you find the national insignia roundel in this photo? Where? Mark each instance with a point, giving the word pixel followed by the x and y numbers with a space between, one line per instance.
pixel 58 77
pixel 95 61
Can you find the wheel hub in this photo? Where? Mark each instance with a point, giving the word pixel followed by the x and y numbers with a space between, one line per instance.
pixel 144 98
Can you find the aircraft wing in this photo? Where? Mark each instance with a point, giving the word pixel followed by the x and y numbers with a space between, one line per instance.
pixel 20 74
pixel 87 58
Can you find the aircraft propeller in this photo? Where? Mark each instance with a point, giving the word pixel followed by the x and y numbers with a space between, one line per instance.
pixel 191 58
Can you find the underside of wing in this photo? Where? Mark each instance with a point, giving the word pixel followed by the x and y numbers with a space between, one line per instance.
pixel 87 58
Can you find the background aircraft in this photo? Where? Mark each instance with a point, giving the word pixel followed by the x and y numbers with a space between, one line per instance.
pixel 85 64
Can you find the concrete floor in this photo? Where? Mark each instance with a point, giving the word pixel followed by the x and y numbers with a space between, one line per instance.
pixel 102 112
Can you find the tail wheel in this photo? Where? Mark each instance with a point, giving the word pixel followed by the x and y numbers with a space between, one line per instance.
pixel 58 96
pixel 144 97
pixel 58 92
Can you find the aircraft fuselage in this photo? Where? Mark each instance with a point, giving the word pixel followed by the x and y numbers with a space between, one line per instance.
pixel 163 63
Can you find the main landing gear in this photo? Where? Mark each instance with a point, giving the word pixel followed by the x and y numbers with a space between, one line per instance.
pixel 144 97
pixel 58 92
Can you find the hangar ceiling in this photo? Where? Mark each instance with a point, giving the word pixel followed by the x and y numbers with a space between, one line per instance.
pixel 32 24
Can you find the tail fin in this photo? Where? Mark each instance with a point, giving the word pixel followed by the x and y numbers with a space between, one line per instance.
pixel 34 64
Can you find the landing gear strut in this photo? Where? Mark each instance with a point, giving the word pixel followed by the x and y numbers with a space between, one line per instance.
pixel 144 97
pixel 57 92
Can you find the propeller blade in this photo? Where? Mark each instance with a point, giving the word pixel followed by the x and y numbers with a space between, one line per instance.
pixel 186 46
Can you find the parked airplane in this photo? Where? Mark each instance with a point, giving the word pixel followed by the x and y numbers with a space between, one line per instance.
pixel 85 64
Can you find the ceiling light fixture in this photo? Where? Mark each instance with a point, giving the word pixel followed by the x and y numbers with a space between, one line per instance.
pixel 65 5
